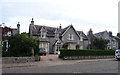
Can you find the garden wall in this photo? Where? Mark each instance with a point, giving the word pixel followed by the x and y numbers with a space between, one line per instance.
pixel 6 60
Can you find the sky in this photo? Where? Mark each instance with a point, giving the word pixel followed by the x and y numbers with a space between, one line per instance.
pixel 99 15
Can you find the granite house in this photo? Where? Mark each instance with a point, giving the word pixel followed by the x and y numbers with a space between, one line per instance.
pixel 52 38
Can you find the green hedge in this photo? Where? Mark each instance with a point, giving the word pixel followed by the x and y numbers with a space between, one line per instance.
pixel 68 52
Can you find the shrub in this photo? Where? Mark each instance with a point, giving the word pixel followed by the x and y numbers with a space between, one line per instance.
pixel 68 52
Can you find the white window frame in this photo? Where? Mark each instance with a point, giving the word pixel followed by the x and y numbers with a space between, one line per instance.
pixel 43 35
pixel 81 38
pixel 71 37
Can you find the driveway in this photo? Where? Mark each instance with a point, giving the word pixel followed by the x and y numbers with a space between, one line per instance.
pixel 50 57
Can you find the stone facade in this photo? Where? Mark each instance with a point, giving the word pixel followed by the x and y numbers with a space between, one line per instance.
pixel 118 36
pixel 91 37
pixel 52 39
pixel 113 40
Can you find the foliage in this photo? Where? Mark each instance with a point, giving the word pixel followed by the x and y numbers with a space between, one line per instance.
pixel 100 43
pixel 4 47
pixel 25 34
pixel 21 45
pixel 78 52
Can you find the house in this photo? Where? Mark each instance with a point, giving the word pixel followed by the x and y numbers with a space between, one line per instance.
pixel 113 40
pixel 118 36
pixel 90 37
pixel 83 40
pixel 52 39
pixel 7 32
pixel 0 36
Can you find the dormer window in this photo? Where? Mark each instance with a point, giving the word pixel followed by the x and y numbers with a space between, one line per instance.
pixel 43 35
pixel 81 38
pixel 70 37
pixel 8 34
pixel 43 32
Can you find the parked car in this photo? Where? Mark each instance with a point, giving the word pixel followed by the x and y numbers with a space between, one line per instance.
pixel 42 51
pixel 117 54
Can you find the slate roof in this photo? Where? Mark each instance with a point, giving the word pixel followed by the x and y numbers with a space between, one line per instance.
pixel 81 32
pixel 5 30
pixel 63 30
pixel 101 34
pixel 51 30
pixel 37 28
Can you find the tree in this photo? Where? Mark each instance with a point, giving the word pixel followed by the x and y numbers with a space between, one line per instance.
pixel 21 45
pixel 99 43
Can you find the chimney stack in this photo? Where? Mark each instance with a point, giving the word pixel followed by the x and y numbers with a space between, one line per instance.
pixel 32 22
pixel 110 33
pixel 60 27
pixel 18 28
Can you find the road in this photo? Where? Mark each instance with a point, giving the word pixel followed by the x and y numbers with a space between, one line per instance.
pixel 79 66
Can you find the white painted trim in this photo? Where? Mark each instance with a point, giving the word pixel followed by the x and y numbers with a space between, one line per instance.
pixel 66 30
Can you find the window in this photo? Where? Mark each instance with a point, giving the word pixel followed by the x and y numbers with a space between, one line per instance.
pixel 43 35
pixel 113 42
pixel 81 38
pixel 8 34
pixel 71 37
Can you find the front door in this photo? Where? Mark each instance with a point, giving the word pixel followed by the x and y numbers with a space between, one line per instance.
pixel 57 49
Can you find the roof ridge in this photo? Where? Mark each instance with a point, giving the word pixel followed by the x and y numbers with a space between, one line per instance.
pixel 46 26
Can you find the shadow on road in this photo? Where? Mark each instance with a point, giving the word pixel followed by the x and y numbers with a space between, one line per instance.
pixel 114 60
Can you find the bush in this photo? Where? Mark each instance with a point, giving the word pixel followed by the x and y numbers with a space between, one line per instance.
pixel 68 52
pixel 21 45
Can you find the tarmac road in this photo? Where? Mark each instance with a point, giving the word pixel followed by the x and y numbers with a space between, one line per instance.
pixel 68 66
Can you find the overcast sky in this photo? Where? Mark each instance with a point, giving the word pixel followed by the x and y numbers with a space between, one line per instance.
pixel 100 15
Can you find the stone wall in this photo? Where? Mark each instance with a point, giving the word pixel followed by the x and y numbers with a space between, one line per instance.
pixel 6 60
pixel 85 57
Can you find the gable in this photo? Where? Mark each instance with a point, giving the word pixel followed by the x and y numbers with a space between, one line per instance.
pixel 81 33
pixel 70 30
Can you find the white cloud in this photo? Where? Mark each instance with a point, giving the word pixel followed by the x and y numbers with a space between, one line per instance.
pixel 99 15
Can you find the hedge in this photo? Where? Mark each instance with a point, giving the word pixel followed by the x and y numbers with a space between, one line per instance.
pixel 68 52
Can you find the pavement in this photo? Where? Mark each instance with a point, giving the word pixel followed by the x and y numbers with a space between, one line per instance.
pixel 50 63
pixel 48 60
